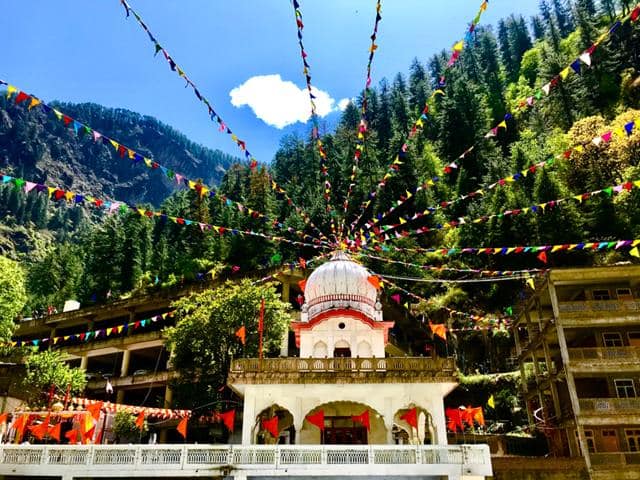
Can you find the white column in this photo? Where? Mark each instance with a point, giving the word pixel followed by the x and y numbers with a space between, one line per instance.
pixel 248 419
pixel 388 418
pixel 436 409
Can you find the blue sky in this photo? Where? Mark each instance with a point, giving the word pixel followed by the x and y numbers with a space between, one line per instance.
pixel 88 51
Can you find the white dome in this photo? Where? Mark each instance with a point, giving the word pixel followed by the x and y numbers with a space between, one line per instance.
pixel 340 283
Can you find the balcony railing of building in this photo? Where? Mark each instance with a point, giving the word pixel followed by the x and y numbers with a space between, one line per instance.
pixel 607 354
pixel 614 459
pixel 599 406
pixel 204 460
pixel 598 307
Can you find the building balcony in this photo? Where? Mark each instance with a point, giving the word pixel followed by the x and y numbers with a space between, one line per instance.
pixel 599 312
pixel 614 459
pixel 209 461
pixel 342 370
pixel 607 411
pixel 606 359
pixel 134 381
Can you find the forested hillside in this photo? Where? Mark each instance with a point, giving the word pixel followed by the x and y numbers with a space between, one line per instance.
pixel 529 139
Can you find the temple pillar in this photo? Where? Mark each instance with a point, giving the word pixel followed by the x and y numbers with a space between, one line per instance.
pixel 439 422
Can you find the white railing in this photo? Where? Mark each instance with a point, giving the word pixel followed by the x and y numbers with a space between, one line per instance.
pixel 141 460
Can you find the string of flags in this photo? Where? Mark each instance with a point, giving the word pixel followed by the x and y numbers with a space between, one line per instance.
pixel 362 125
pixel 213 115
pixel 58 194
pixel 544 207
pixel 418 124
pixel 93 335
pixel 585 58
pixel 509 180
pixel 324 169
pixel 123 152
pixel 482 273
pixel 617 245
pixel 475 318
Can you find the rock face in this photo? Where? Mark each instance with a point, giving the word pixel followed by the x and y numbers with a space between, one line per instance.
pixel 38 147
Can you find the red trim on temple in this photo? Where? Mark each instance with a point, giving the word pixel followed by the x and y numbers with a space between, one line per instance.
pixel 340 312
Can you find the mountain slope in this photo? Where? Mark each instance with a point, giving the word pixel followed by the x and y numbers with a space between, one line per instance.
pixel 38 147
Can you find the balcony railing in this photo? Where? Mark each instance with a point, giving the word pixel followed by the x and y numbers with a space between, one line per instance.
pixel 595 307
pixel 614 459
pixel 209 460
pixel 406 366
pixel 597 406
pixel 608 354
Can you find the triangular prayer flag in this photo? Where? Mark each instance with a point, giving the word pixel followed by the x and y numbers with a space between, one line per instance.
pixel 634 252
pixel 271 426
pixel 54 432
pixel 140 420
pixel 316 419
pixel 374 280
pixel 72 436
pixel 491 402
pixel 363 418
pixel 228 418
pixel 182 427
pixel 439 330
pixel 411 417
pixel 542 257
pixel 94 409
pixel 241 333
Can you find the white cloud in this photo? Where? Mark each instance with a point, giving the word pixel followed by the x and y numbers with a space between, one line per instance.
pixel 279 102
pixel 342 104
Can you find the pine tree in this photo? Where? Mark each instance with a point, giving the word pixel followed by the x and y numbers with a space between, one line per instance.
pixel 537 27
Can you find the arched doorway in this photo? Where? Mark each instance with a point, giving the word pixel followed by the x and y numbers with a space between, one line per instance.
pixel 403 433
pixel 340 427
pixel 283 426
pixel 320 350
pixel 341 349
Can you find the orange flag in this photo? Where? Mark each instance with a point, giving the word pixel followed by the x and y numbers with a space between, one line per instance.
pixel 182 427
pixel 439 330
pixel 375 281
pixel 302 284
pixel 411 417
pixel 94 409
pixel 40 431
pixel 228 418
pixel 241 333
pixel 72 436
pixel 478 416
pixel 3 418
pixel 140 420
pixel 271 426
pixel 316 419
pixel 19 425
pixel 363 418
pixel 54 432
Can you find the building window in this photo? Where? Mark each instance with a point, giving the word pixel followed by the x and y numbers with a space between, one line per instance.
pixel 633 439
pixel 625 388
pixel 343 431
pixel 601 294
pixel 612 339
pixel 624 294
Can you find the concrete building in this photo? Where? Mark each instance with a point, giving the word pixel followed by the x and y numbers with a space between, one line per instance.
pixel 578 344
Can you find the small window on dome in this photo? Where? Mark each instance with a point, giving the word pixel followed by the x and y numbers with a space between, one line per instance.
pixel 341 326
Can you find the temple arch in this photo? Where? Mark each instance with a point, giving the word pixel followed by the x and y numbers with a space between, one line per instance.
pixel 320 350
pixel 285 426
pixel 341 349
pixel 364 350
pixel 340 428
pixel 405 433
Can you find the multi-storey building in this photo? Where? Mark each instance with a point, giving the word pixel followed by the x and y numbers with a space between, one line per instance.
pixel 578 342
